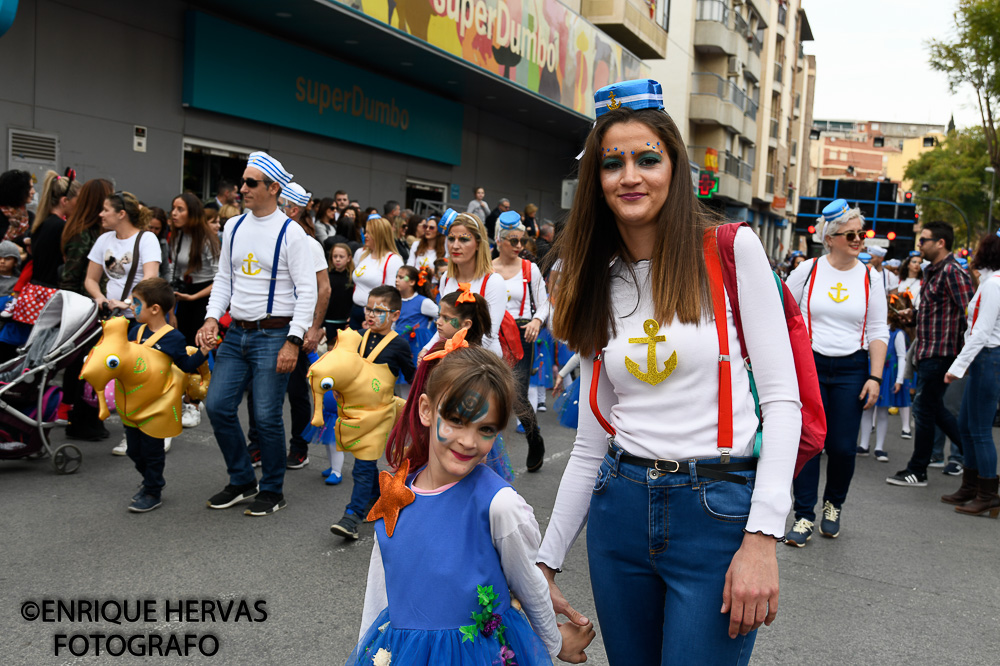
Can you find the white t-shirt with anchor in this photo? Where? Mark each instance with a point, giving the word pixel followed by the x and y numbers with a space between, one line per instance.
pixel 838 307
pixel 371 272
pixel 244 279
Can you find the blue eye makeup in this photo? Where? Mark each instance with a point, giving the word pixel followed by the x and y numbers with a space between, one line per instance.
pixel 611 162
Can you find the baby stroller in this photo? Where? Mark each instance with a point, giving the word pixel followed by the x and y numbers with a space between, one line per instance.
pixel 67 326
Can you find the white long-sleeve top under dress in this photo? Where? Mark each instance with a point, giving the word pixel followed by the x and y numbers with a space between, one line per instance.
pixel 516 537
pixel 841 321
pixel 677 418
pixel 519 300
pixel 371 272
pixel 911 285
pixel 986 332
pixel 496 299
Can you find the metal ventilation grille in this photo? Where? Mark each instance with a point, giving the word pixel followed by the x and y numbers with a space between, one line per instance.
pixel 33 147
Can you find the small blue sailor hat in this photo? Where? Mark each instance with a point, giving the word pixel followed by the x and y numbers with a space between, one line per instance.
pixel 509 219
pixel 373 216
pixel 296 194
pixel 864 257
pixel 916 253
pixel 271 167
pixel 635 94
pixel 447 219
pixel 835 209
pixel 962 261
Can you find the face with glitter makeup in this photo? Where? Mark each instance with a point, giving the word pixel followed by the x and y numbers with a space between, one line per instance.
pixel 635 173
pixel 458 441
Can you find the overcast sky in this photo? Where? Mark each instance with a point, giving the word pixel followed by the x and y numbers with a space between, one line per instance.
pixel 872 64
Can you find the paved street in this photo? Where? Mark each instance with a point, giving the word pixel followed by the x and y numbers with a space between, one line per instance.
pixel 909 581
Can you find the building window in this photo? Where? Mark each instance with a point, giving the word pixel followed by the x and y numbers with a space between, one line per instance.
pixel 843 155
pixel 928 142
pixel 879 142
pixel 875 127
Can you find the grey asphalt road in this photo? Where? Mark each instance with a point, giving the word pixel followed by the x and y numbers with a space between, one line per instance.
pixel 908 581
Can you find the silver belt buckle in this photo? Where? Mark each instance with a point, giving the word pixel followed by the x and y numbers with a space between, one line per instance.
pixel 666 470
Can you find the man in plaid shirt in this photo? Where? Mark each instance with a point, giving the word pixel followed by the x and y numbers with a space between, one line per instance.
pixel 944 297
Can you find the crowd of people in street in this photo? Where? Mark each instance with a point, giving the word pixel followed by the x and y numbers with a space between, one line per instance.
pixel 462 320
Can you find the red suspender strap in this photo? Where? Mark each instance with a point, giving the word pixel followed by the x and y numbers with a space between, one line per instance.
pixel 975 313
pixel 809 312
pixel 594 407
pixel 868 286
pixel 385 267
pixel 525 279
pixel 712 263
pixel 482 287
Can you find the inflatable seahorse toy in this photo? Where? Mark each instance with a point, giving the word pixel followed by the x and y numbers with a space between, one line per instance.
pixel 148 386
pixel 367 409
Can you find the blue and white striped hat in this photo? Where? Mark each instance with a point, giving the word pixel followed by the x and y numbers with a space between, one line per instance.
pixel 296 194
pixel 271 167
pixel 835 209
pixel 373 216
pixel 635 94
pixel 447 219
pixel 509 219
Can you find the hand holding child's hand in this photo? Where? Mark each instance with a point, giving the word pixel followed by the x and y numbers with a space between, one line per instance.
pixel 575 640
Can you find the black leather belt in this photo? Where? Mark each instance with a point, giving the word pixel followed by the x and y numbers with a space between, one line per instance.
pixel 717 471
pixel 270 322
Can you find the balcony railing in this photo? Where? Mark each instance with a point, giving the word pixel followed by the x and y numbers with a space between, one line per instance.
pixel 713 10
pixel 782 15
pixel 707 83
pixel 779 68
pixel 752 107
pixel 746 172
pixel 740 25
pixel 757 41
pixel 769 184
pixel 774 127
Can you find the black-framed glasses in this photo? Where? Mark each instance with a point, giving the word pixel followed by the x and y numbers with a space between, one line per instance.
pixel 252 183
pixel 369 310
pixel 516 242
pixel 851 236
pixel 923 239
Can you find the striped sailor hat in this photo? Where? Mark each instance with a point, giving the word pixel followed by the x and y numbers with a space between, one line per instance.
pixel 447 219
pixel 835 209
pixel 509 219
pixel 271 167
pixel 636 94
pixel 296 194
pixel 373 216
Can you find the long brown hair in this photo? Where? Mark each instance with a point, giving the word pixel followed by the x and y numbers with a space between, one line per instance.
pixel 87 214
pixel 197 226
pixel 591 240
pixel 422 246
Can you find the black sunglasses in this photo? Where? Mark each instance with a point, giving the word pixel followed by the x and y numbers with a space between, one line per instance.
pixel 851 236
pixel 921 241
pixel 252 183
pixel 516 242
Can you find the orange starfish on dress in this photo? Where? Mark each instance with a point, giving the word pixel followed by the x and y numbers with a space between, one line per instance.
pixel 394 497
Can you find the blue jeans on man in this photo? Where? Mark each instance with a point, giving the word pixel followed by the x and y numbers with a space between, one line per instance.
pixel 249 358
pixel 930 411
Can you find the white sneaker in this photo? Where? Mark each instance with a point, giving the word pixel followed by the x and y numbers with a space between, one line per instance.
pixel 191 418
pixel 121 449
pixel 166 444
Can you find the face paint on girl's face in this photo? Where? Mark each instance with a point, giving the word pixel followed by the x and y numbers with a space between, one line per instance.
pixel 448 323
pixel 457 445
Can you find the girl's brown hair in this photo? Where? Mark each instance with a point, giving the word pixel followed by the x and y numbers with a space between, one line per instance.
pixel 201 233
pixel 350 261
pixel 423 245
pixel 414 275
pixel 87 213
pixel 591 240
pixel 460 384
pixel 478 313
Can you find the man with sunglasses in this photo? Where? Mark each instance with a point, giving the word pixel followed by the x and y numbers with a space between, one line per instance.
pixel 271 299
pixel 944 297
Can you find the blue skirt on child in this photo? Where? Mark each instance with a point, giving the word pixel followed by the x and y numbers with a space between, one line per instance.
pixel 541 365
pixel 568 405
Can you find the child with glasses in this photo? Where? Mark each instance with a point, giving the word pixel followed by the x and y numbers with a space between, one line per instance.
pixel 380 344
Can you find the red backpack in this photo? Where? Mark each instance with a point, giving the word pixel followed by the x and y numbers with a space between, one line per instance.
pixel 721 262
pixel 510 335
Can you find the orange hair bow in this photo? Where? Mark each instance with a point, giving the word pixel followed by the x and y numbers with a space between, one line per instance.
pixel 466 296
pixel 457 342
pixel 422 277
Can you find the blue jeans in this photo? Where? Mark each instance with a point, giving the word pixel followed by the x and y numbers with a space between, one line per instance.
pixel 930 411
pixel 149 457
pixel 975 418
pixel 248 358
pixel 660 546
pixel 365 476
pixel 841 379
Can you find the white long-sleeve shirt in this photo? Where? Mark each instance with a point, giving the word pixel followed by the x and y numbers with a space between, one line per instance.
pixel 911 285
pixel 838 309
pixel 519 301
pixel 677 419
pixel 516 537
pixel 986 332
pixel 371 272
pixel 496 299
pixel 244 276
pixel 425 260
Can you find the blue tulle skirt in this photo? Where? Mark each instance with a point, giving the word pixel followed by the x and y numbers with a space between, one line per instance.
pixel 544 357
pixel 498 460
pixel 327 433
pixel 568 405
pixel 444 647
pixel 886 398
pixel 416 338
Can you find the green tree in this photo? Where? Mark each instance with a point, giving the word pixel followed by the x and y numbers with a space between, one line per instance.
pixel 972 58
pixel 954 170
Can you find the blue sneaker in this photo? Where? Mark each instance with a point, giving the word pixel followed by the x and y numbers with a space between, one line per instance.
pixel 801 532
pixel 830 525
pixel 145 503
pixel 333 479
pixel 326 472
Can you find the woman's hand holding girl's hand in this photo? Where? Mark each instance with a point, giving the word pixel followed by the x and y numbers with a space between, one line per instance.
pixel 559 603
pixel 896 387
pixel 870 393
pixel 557 385
pixel 750 595
pixel 575 639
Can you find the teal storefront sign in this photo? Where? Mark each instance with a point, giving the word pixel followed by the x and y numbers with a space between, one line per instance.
pixel 306 91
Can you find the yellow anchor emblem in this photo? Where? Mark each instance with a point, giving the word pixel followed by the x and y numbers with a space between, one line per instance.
pixel 360 271
pixel 651 376
pixel 614 104
pixel 248 268
pixel 839 288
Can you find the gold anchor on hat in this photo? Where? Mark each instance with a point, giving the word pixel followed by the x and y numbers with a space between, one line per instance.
pixel 837 299
pixel 651 376
pixel 614 104
pixel 250 261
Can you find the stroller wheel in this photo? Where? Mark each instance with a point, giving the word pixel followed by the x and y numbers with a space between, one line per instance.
pixel 66 459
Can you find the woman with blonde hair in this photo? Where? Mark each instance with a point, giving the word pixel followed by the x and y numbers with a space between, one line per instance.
pixel 530 226
pixel 56 203
pixel 375 264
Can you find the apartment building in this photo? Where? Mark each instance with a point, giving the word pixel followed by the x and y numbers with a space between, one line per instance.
pixel 740 87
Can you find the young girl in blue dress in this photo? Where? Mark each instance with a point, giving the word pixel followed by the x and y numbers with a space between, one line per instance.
pixel 417 314
pixel 454 541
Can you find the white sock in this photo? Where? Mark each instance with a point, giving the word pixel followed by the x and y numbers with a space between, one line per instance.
pixel 533 397
pixel 336 458
pixel 881 427
pixel 904 414
pixel 866 429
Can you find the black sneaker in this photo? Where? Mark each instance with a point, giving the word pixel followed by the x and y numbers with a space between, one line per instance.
pixel 255 457
pixel 296 460
pixel 801 532
pixel 905 477
pixel 881 456
pixel 145 503
pixel 232 495
pixel 907 435
pixel 936 462
pixel 953 469
pixel 139 492
pixel 266 503
pixel 862 453
pixel 347 526
pixel 830 525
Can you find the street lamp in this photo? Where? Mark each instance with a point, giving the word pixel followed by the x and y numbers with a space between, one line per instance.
pixel 993 176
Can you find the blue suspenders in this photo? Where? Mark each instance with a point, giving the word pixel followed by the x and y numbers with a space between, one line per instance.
pixel 274 264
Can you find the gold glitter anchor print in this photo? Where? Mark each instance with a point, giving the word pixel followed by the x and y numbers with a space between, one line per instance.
pixel 651 376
